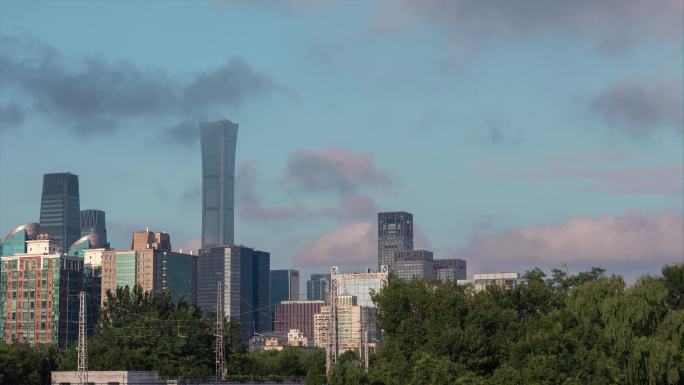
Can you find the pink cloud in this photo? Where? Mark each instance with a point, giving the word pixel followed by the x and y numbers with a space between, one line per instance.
pixel 334 169
pixel 666 179
pixel 633 237
pixel 353 243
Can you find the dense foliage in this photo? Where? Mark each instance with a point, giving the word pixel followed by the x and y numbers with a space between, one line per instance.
pixel 583 329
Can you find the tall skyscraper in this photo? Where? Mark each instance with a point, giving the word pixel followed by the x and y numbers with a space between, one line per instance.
pixel 60 212
pixel 318 287
pixel 284 286
pixel 93 223
pixel 245 275
pixel 395 233
pixel 218 182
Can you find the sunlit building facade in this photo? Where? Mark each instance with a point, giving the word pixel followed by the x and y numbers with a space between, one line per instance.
pixel 360 284
pixel 39 294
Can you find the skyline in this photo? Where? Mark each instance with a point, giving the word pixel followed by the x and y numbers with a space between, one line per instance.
pixel 457 125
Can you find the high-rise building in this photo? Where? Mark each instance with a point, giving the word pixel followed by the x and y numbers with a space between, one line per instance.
pixel 93 223
pixel 60 213
pixel 39 294
pixel 413 263
pixel 395 233
pixel 92 285
pixel 218 180
pixel 450 270
pixel 151 264
pixel 245 274
pixel 284 286
pixel 352 322
pixel 296 315
pixel 360 284
pixel 318 287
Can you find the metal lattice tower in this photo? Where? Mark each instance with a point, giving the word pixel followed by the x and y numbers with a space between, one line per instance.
pixel 332 346
pixel 220 357
pixel 82 340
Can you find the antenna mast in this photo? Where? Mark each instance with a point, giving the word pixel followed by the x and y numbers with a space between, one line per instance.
pixel 220 357
pixel 332 348
pixel 82 340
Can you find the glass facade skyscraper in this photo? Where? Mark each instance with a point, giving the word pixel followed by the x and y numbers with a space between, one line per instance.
pixel 395 233
pixel 318 287
pixel 360 284
pixel 218 140
pixel 245 274
pixel 60 213
pixel 284 286
pixel 15 241
pixel 93 223
pixel 414 263
pixel 452 269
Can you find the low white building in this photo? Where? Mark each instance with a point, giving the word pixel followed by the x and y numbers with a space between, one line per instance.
pixel 108 378
pixel 480 282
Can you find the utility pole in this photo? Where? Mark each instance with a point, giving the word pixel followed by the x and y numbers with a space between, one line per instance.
pixel 220 357
pixel 332 346
pixel 82 340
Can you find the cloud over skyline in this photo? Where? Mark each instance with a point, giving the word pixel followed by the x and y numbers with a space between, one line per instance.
pixel 98 96
pixel 641 108
pixel 334 170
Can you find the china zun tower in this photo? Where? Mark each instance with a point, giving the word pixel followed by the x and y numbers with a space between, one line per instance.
pixel 218 181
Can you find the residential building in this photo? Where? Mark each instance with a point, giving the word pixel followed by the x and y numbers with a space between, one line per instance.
pixel 60 213
pixel 413 263
pixel 318 287
pixel 450 270
pixel 151 264
pixel 245 277
pixel 39 294
pixel 360 284
pixel 297 315
pixel 296 338
pixel 395 233
pixel 92 285
pixel 93 223
pixel 284 286
pixel 352 322
pixel 218 140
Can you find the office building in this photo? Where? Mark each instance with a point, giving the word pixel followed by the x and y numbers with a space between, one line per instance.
pixel 352 321
pixel 413 263
pixel 480 282
pixel 218 140
pixel 284 286
pixel 450 270
pixel 296 315
pixel 15 241
pixel 318 287
pixel 39 294
pixel 60 213
pixel 395 233
pixel 245 277
pixel 360 284
pixel 151 264
pixel 93 223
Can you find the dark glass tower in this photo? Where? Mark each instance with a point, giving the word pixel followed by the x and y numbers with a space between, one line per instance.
pixel 395 233
pixel 93 223
pixel 60 208
pixel 218 180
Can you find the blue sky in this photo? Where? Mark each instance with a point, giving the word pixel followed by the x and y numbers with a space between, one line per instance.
pixel 518 136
